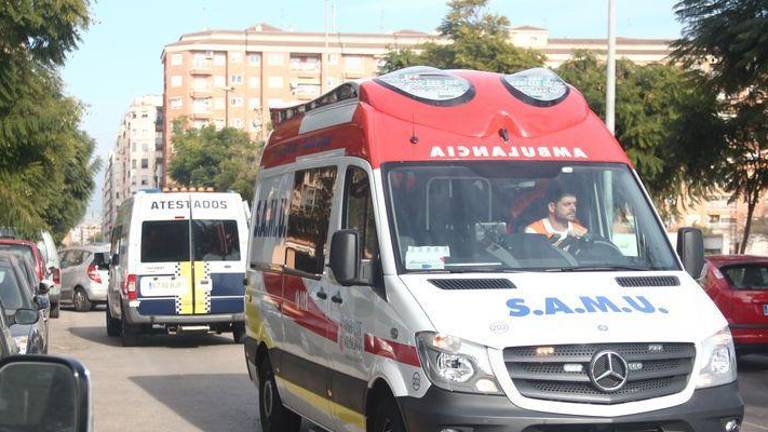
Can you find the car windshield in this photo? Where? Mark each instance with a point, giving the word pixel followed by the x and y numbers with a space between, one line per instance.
pixel 10 292
pixel 18 249
pixel 515 216
pixel 752 277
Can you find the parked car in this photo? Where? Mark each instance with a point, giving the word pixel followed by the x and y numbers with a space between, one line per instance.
pixel 85 276
pixel 27 249
pixel 23 310
pixel 738 284
pixel 7 343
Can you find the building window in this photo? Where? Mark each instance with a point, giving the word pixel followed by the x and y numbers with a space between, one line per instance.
pixel 145 146
pixel 218 103
pixel 714 218
pixel 200 61
pixel 219 81
pixel 274 59
pixel 200 105
pixel 144 180
pixel 176 59
pixel 236 101
pixel 199 124
pixel 133 163
pixel 145 163
pixel 254 82
pixel 275 82
pixel 236 123
pixel 254 59
pixel 353 63
pixel 305 63
pixel 176 81
pixel 134 147
pixel 254 104
pixel 219 59
pixel 219 124
pixel 236 79
pixel 175 102
pixel 236 57
pixel 333 59
pixel 200 84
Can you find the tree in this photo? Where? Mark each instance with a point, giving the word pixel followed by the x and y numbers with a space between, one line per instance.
pixel 473 39
pixel 728 38
pixel 224 159
pixel 46 171
pixel 667 123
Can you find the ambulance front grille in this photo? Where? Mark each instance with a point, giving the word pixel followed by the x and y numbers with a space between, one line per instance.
pixel 561 372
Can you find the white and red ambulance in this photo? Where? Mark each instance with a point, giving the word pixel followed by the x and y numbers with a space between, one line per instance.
pixel 462 251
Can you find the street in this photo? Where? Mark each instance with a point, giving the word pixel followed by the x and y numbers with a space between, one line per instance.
pixel 199 383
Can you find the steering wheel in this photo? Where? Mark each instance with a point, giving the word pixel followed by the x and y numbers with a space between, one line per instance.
pixel 590 247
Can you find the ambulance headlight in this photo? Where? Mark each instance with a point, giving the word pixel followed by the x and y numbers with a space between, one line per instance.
pixel 455 364
pixel 719 356
pixel 429 85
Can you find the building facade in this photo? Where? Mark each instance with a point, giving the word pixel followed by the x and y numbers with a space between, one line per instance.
pixel 223 77
pixel 137 160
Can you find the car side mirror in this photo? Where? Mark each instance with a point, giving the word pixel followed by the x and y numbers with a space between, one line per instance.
pixel 115 260
pixel 44 393
pixel 345 259
pixel 25 317
pixel 690 248
pixel 45 287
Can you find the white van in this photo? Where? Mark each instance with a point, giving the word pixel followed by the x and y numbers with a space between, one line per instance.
pixel 462 251
pixel 177 262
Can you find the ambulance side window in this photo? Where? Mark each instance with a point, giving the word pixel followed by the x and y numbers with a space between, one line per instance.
pixel 358 211
pixel 308 218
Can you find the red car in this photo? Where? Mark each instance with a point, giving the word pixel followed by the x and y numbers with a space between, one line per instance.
pixel 28 249
pixel 738 284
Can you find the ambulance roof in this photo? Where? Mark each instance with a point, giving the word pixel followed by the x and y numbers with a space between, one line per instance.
pixel 426 114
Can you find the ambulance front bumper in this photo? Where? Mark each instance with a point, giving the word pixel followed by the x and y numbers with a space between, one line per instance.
pixel 439 410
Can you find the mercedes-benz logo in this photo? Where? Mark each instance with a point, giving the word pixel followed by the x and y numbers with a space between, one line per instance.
pixel 608 371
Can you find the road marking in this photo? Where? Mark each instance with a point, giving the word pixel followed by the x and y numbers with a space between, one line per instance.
pixel 756 425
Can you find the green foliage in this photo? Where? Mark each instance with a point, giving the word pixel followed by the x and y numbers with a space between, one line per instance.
pixel 666 121
pixel 478 40
pixel 224 159
pixel 46 171
pixel 729 38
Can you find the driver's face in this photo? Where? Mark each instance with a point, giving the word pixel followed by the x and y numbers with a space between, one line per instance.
pixel 565 209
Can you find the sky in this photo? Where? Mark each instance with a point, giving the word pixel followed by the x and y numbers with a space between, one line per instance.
pixel 119 56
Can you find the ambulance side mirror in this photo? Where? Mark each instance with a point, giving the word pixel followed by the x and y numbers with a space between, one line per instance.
pixel 690 248
pixel 345 258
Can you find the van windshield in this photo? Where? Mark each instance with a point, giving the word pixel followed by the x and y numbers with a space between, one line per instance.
pixel 168 241
pixel 514 216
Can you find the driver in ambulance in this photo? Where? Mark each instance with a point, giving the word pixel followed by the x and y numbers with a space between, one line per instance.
pixel 561 221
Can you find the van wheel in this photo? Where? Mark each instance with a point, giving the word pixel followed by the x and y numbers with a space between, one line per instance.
pixel 274 416
pixel 129 334
pixel 80 300
pixel 55 310
pixel 387 418
pixel 113 324
pixel 238 332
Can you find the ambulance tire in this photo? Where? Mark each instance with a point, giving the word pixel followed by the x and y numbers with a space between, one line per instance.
pixel 387 418
pixel 238 332
pixel 129 334
pixel 275 417
pixel 113 324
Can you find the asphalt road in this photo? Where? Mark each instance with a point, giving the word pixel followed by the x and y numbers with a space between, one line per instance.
pixel 200 383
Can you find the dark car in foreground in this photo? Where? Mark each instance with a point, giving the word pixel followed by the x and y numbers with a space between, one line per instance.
pixel 23 309
pixel 738 284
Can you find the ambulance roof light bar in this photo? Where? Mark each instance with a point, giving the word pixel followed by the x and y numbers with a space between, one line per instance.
pixel 429 85
pixel 346 91
pixel 538 87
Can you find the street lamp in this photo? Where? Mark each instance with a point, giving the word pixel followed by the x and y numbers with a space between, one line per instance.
pixel 226 103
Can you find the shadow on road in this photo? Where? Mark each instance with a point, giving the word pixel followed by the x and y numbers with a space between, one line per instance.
pixel 98 335
pixel 753 363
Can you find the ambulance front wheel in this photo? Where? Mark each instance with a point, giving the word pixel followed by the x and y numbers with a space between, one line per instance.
pixel 387 417
pixel 274 416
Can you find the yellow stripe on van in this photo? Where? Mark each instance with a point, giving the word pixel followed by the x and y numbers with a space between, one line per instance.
pixel 185 298
pixel 340 412
pixel 202 290
pixel 256 324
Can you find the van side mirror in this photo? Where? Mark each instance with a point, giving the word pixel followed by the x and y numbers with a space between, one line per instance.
pixel 690 248
pixel 345 259
pixel 115 260
pixel 44 393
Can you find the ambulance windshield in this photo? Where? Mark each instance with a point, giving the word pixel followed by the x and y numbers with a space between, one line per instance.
pixel 515 216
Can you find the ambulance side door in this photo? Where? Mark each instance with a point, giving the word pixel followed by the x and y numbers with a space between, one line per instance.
pixel 354 308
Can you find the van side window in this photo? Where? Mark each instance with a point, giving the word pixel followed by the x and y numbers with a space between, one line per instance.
pixel 308 218
pixel 358 211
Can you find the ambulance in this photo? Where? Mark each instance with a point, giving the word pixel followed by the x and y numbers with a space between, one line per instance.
pixel 461 251
pixel 177 265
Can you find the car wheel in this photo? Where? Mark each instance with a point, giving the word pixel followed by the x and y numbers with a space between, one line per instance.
pixel 238 332
pixel 129 334
pixel 80 300
pixel 275 417
pixel 387 418
pixel 113 324
pixel 55 310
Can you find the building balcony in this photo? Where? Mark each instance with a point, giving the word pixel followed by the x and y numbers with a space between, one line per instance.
pixel 201 70
pixel 201 115
pixel 354 74
pixel 201 93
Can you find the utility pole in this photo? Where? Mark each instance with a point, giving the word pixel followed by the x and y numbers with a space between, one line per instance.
pixel 610 88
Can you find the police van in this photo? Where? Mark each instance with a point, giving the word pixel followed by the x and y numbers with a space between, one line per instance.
pixel 177 264
pixel 458 251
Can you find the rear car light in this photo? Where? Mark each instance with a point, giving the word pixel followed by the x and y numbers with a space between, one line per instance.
pixel 56 276
pixel 93 273
pixel 129 288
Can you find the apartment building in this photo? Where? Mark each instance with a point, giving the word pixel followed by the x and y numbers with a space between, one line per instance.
pixel 225 77
pixel 137 160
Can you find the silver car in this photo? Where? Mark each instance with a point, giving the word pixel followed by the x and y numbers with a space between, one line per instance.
pixel 84 276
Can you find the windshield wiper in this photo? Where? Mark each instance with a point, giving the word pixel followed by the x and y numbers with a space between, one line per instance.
pixel 600 268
